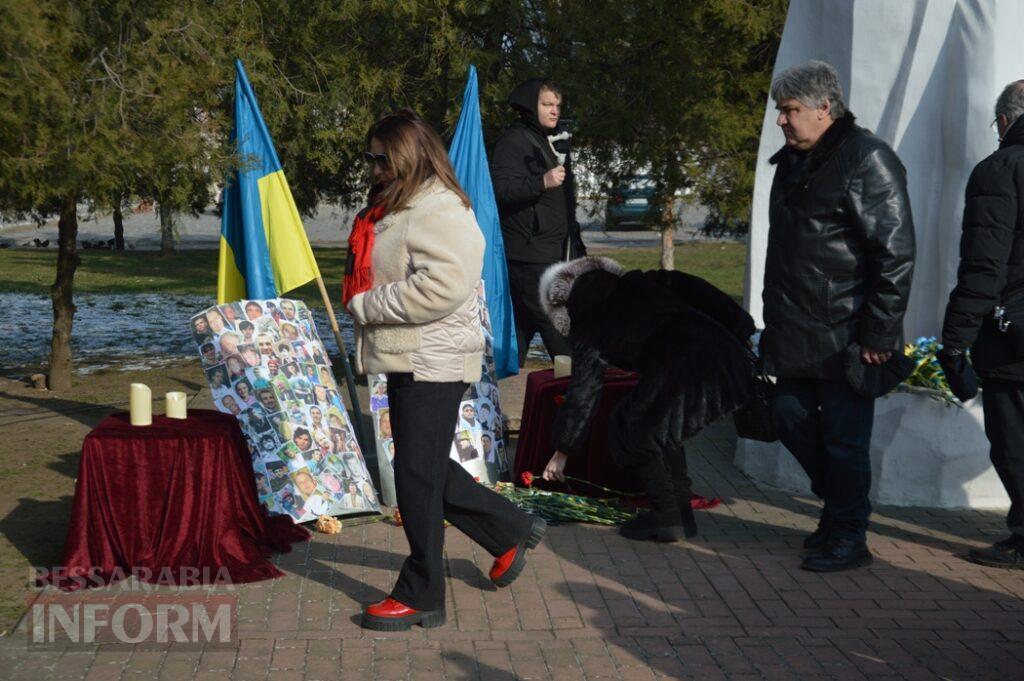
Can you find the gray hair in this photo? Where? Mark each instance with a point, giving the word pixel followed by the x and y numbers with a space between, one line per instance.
pixel 812 84
pixel 1011 101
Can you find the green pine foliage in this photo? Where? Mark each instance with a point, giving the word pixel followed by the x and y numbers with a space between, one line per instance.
pixel 103 102
pixel 106 96
pixel 675 90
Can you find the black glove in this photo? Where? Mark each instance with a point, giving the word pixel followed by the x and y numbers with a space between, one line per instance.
pixel 959 373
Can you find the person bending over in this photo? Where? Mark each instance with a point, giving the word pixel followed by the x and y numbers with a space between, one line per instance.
pixel 685 338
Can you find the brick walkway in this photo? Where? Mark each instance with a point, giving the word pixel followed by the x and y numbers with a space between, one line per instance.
pixel 731 604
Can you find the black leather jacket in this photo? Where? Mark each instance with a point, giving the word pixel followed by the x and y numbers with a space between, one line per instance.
pixel 840 253
pixel 991 261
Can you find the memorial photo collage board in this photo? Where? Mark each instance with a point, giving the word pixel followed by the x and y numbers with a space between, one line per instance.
pixel 479 440
pixel 266 365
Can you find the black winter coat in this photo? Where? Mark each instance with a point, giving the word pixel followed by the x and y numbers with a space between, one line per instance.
pixel 991 261
pixel 535 222
pixel 685 338
pixel 840 253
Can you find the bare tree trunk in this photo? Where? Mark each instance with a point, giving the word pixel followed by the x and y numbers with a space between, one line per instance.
pixel 668 233
pixel 63 307
pixel 166 229
pixel 118 225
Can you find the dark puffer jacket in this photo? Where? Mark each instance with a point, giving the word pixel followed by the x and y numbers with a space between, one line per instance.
pixel 535 222
pixel 991 261
pixel 840 253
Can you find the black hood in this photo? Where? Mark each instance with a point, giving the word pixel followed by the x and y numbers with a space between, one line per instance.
pixel 524 100
pixel 1015 135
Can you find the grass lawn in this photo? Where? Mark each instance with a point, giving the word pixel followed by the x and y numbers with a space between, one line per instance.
pixel 25 271
pixel 723 264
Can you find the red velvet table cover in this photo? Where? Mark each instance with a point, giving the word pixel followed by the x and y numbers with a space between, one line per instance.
pixel 173 495
pixel 533 451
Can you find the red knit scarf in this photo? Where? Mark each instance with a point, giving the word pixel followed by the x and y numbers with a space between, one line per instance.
pixel 359 273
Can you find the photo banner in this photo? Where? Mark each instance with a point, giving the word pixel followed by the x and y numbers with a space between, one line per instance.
pixel 478 442
pixel 266 365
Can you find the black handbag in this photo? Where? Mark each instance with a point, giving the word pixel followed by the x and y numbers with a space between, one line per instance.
pixel 753 420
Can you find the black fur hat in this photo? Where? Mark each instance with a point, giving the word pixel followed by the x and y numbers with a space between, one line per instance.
pixel 557 281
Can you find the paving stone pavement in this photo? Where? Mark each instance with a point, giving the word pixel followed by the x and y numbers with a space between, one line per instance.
pixel 731 604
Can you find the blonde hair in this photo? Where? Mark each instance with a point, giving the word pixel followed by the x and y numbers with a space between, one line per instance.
pixel 415 154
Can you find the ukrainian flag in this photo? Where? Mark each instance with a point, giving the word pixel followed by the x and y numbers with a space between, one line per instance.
pixel 264 252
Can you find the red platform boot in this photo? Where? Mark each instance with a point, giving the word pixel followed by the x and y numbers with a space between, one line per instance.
pixel 390 615
pixel 508 565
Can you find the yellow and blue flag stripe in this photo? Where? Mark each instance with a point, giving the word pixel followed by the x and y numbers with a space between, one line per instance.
pixel 264 252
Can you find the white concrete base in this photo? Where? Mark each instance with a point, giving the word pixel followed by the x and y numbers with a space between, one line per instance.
pixel 924 452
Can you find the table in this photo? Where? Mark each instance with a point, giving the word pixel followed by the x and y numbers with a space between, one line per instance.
pixel 543 394
pixel 173 503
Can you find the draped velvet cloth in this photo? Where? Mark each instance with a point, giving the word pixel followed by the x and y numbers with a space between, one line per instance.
pixel 543 396
pixel 173 499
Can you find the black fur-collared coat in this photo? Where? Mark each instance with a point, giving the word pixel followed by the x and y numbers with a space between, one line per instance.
pixel 685 338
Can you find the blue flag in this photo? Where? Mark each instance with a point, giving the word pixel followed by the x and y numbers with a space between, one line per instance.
pixel 470 161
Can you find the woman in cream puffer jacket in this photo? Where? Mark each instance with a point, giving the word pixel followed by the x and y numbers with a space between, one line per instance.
pixel 417 320
pixel 422 316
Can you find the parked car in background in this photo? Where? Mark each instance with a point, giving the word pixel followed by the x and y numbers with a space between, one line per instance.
pixel 630 204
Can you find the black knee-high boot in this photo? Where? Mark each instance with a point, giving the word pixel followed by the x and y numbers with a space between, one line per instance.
pixel 664 521
pixel 683 489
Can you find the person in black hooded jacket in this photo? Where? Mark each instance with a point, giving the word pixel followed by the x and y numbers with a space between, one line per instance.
pixel 536 197
pixel 991 274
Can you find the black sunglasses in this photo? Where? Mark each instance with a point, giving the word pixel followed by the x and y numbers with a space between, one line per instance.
pixel 381 159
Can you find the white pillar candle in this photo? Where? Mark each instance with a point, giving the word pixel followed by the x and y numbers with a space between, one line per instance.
pixel 176 408
pixel 563 366
pixel 140 404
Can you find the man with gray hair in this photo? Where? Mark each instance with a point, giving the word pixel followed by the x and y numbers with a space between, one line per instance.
pixel 986 314
pixel 837 278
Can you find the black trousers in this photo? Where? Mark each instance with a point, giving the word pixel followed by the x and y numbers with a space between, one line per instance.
pixel 1003 404
pixel 432 488
pixel 827 427
pixel 524 287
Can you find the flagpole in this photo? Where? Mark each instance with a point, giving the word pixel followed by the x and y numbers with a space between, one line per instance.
pixel 350 380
